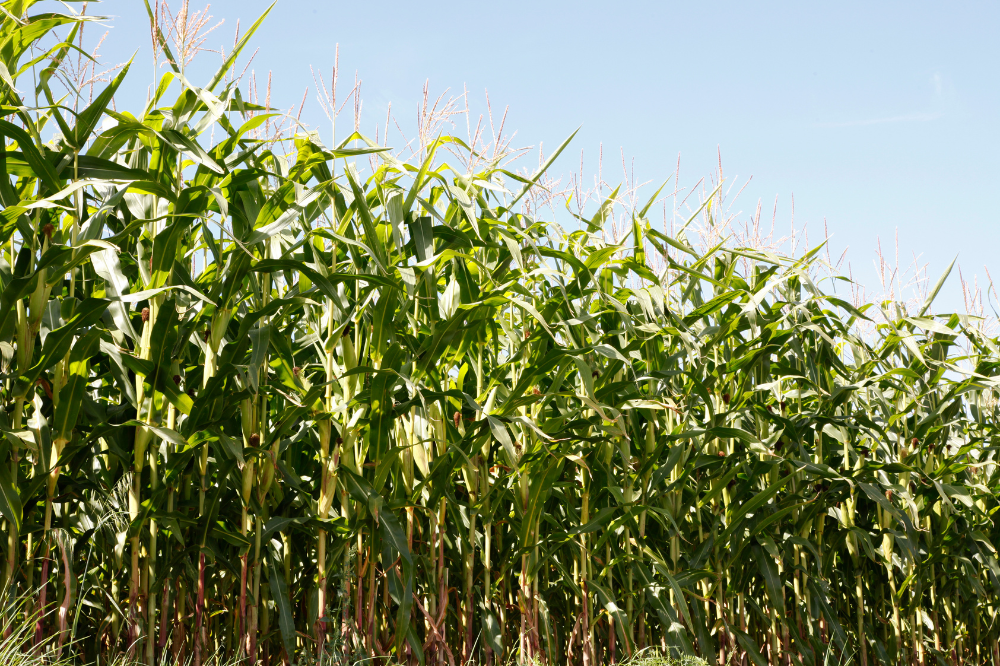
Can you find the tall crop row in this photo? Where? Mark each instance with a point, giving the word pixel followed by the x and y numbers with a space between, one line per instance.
pixel 254 403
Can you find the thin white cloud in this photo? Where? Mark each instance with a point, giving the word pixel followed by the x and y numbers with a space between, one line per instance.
pixel 938 84
pixel 910 118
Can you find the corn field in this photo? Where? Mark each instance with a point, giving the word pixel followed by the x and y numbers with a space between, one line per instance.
pixel 258 403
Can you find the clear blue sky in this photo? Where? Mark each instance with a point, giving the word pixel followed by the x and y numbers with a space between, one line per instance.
pixel 875 116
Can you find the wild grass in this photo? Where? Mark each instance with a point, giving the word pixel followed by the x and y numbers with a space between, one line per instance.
pixel 15 647
pixel 653 657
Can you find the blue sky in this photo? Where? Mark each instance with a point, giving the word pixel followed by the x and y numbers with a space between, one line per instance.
pixel 878 117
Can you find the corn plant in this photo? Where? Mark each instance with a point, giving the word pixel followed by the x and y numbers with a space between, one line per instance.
pixel 259 404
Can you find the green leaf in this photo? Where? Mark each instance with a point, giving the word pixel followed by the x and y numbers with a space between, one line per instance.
pixel 622 625
pixel 772 582
pixel 279 592
pixel 750 645
pixel 752 505
pixel 259 340
pixel 382 410
pixel 58 342
pixel 361 205
pixel 937 287
pixel 71 396
pixel 42 169
pixel 182 143
pixel 87 120
pixel 220 74
pixel 541 170
pixel 154 21
pixel 10 500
